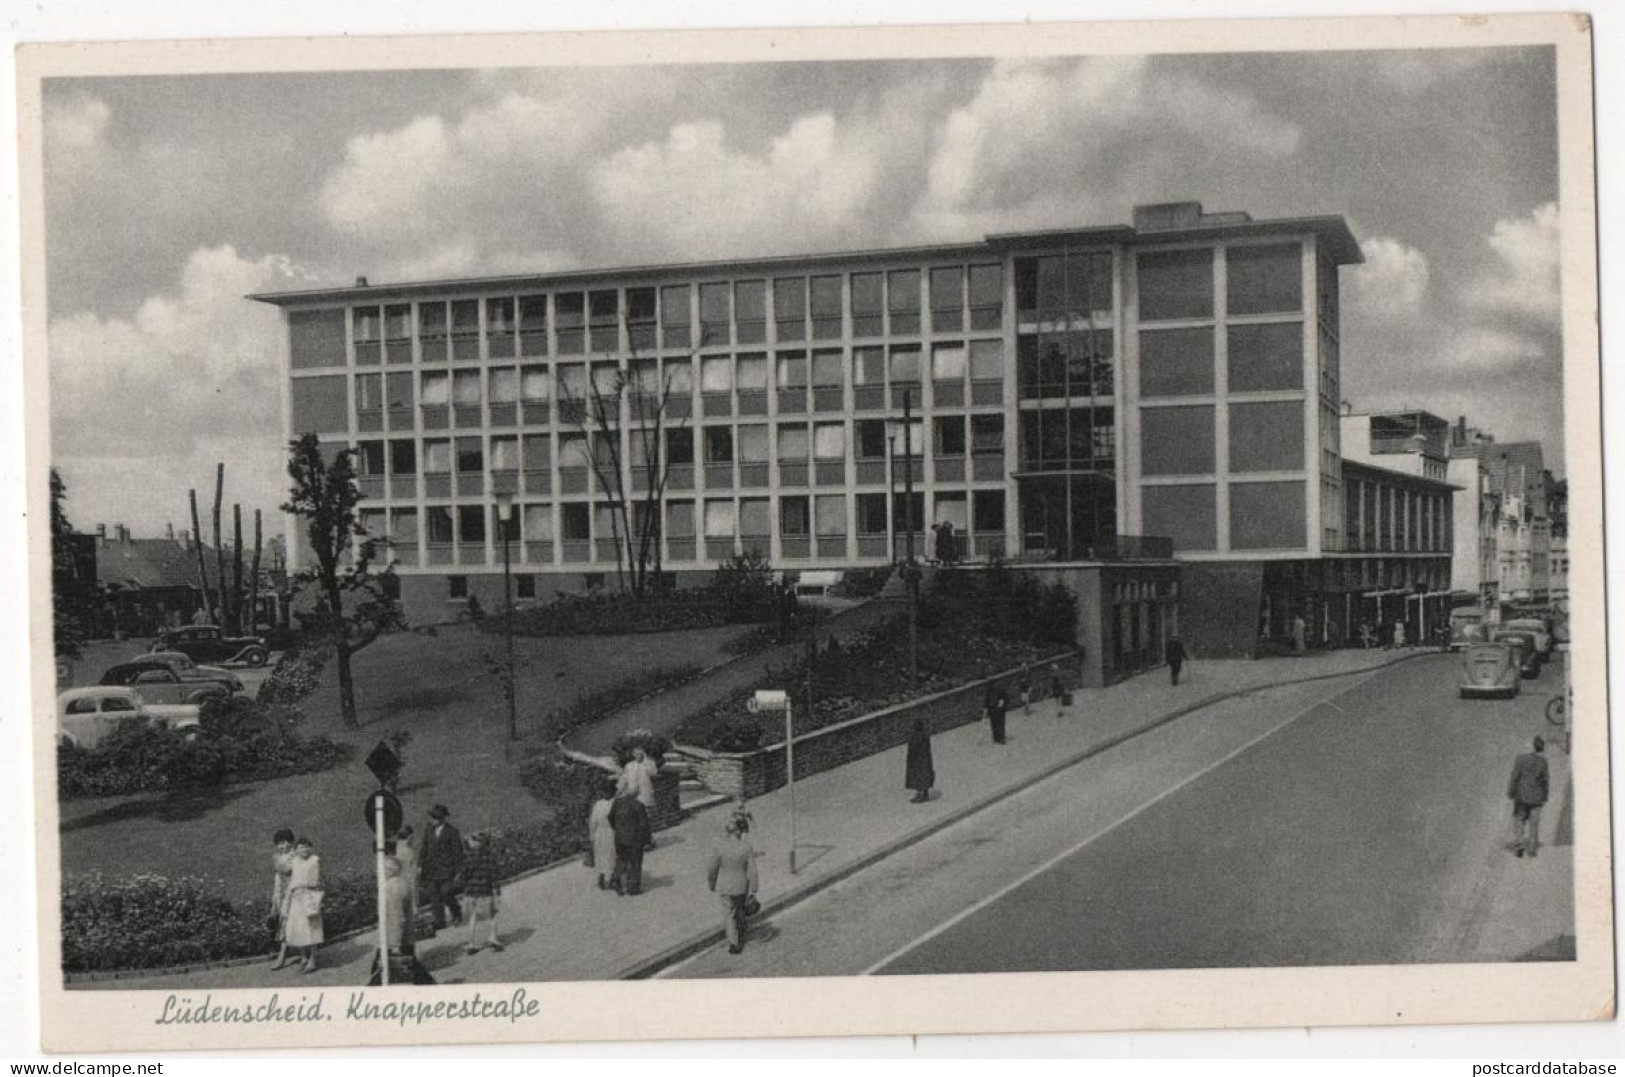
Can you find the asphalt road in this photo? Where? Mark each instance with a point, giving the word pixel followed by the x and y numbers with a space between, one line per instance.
pixel 1345 822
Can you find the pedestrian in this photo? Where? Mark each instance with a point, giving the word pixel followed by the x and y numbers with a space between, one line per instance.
pixel 638 778
pixel 302 928
pixel 630 820
pixel 1299 630
pixel 406 853
pixel 481 890
pixel 1368 635
pixel 440 866
pixel 1176 655
pixel 1026 691
pixel 732 877
pixel 1528 791
pixel 281 870
pixel 602 836
pixel 1057 686
pixel 400 932
pixel 919 774
pixel 993 710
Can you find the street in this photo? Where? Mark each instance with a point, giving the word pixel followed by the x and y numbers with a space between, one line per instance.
pixel 1359 820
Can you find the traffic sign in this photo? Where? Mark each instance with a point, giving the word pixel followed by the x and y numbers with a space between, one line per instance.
pixel 766 700
pixel 384 763
pixel 393 816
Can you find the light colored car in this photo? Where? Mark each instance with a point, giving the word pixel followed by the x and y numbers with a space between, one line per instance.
pixel 1490 669
pixel 1536 627
pixel 1467 627
pixel 85 716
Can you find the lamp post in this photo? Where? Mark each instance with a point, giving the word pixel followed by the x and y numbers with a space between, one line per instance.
pixel 911 571
pixel 504 500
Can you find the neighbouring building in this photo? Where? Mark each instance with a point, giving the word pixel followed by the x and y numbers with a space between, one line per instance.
pixel 1517 474
pixel 1101 396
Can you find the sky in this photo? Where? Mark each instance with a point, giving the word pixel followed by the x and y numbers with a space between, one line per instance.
pixel 170 198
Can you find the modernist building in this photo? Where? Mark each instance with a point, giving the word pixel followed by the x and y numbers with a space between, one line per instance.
pixel 1066 392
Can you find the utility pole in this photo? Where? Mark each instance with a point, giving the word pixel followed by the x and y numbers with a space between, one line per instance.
pixel 911 572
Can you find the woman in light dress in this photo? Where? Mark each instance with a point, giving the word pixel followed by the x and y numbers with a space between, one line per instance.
pixel 281 867
pixel 602 834
pixel 302 925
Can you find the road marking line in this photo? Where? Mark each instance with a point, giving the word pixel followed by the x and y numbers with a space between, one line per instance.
pixel 1066 854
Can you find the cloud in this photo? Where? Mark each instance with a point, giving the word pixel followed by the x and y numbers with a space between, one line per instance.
pixel 1479 350
pixel 189 378
pixel 1080 140
pixel 75 138
pixel 1412 71
pixel 1392 284
pixel 1524 281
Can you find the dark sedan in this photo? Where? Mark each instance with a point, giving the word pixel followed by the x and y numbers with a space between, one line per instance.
pixel 207 643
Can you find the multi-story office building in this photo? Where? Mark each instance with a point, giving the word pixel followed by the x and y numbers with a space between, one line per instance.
pixel 1066 393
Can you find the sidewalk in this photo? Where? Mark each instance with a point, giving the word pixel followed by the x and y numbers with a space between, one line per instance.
pixel 664 711
pixel 557 925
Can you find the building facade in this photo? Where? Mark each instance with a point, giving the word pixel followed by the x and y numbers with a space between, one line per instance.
pixel 1518 477
pixel 1094 394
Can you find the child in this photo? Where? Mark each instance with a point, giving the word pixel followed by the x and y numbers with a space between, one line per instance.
pixel 482 890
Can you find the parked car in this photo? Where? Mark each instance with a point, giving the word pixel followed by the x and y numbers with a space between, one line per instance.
pixel 1537 627
pixel 183 665
pixel 85 716
pixel 1490 669
pixel 207 643
pixel 160 680
pixel 1467 627
pixel 1524 645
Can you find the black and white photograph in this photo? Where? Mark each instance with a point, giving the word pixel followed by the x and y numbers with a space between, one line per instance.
pixel 1105 516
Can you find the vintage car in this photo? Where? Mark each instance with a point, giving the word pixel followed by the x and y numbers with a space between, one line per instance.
pixel 85 716
pixel 1467 627
pixel 1537 627
pixel 1490 669
pixel 172 678
pixel 1523 644
pixel 207 643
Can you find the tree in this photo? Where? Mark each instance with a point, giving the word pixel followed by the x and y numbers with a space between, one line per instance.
pixel 635 514
pixel 357 605
pixel 69 588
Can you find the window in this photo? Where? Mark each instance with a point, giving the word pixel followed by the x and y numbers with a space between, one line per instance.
pixel 904 365
pixel 675 316
pixel 868 366
pixel 457 586
pixel 715 315
pixel 525 585
pixel 537 522
pixel 871 510
pixel 471 524
pixel 367 325
pixel 1176 284
pixel 948 362
pixel 440 526
pixel 465 388
pixel 717 374
pixel 1176 441
pixel 826 369
pixel 320 405
pixel 504 454
pixel 433 326
pixel 790 307
pixel 398 322
pixel 826 308
pixel 570 316
pixel 1264 280
pixel 643 376
pixel 719 444
pixel 1185 514
pixel 316 338
pixel 369 458
pixel 679 447
pixel 679 378
pixel 950 435
pixel 829 441
pixel 1264 357
pixel 986 298
pixel 1176 362
pixel 465 323
pixel 403 457
pixel 794 516
pixel 437 457
pixel 533 324
pixel 499 326
pixel 534 384
pixel 640 318
pixel 948 299
pixel 750 311
pixel 680 519
pixel 606 385
pixel 538 452
pixel 753 373
pixel 755 516
pixel 1266 436
pixel 398 390
pixel 987 510
pixel 436 390
pixel 572 382
pixel 1267 515
pixel 573 452
pixel 719 518
pixel 871 439
pixel 504 385
pixel 369 392
pixel 753 444
pixel 903 300
pixel 792 370
pixel 868 299
pixel 470 456
pixel 793 444
pixel 830 514
pixel 987 435
pixel 987 360
pixel 576 519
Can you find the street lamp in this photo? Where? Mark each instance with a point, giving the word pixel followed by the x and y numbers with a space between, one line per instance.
pixel 911 571
pixel 504 501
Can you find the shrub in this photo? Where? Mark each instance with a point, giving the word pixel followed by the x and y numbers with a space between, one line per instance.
pixel 589 707
pixel 568 787
pixel 748 591
pixel 296 675
pixel 150 921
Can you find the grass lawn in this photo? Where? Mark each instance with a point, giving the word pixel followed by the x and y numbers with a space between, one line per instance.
pixel 437 687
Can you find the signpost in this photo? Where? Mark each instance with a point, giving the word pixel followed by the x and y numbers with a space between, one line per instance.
pixel 383 814
pixel 770 701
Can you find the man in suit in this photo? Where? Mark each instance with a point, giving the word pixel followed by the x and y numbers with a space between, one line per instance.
pixel 440 862
pixel 994 709
pixel 1176 654
pixel 1528 791
pixel 629 819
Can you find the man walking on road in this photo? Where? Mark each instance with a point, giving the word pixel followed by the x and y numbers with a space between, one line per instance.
pixel 994 709
pixel 1176 655
pixel 1528 791
pixel 630 821
pixel 440 863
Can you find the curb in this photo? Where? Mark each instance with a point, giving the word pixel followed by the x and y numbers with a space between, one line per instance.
pixel 694 944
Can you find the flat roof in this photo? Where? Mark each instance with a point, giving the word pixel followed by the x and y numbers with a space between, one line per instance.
pixel 1389 473
pixel 1332 230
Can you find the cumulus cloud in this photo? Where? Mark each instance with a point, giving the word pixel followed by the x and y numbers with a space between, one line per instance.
pixel 1392 285
pixel 189 378
pixel 1524 280
pixel 75 137
pixel 1412 71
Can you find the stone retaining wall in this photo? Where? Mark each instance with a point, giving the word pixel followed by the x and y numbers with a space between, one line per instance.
pixel 750 774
